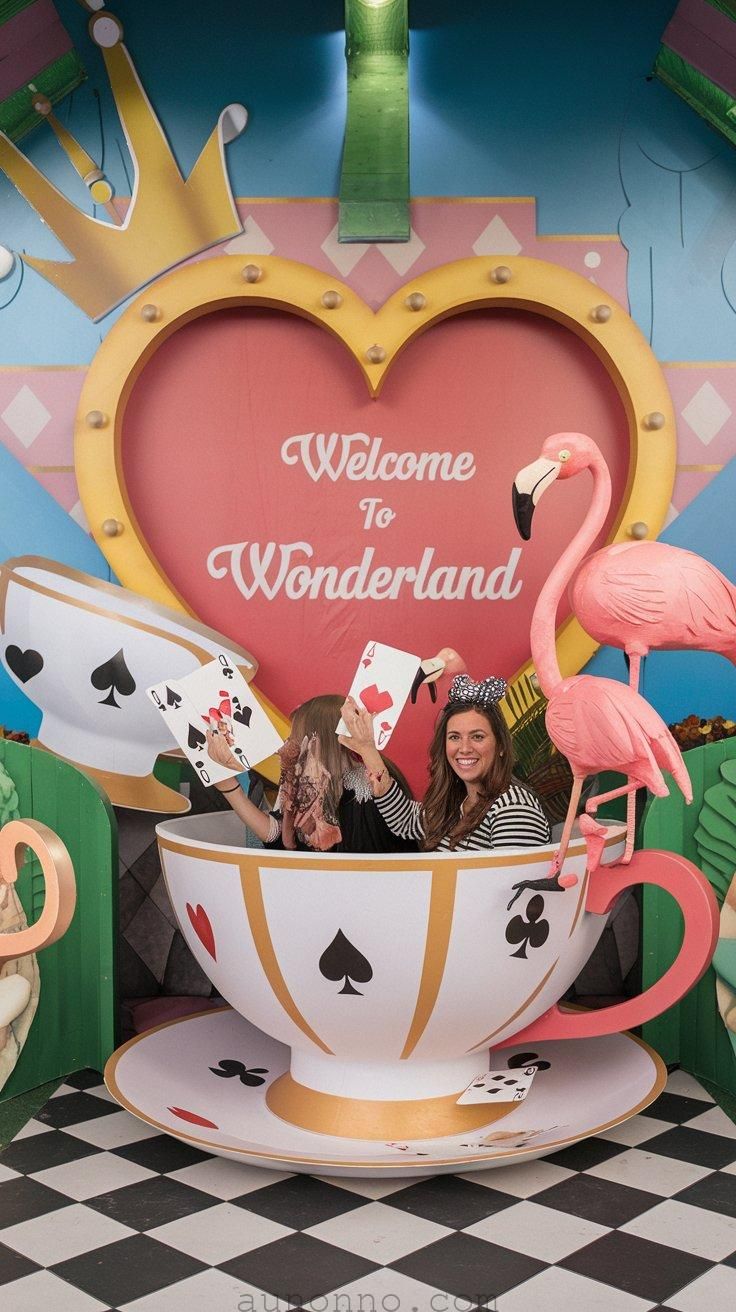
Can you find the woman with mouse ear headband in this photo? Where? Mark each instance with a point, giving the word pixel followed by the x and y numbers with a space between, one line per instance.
pixel 473 802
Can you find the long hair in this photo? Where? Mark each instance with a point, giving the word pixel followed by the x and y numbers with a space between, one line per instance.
pixel 440 813
pixel 321 715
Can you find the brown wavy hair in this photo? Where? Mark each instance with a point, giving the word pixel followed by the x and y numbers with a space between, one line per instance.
pixel 440 813
pixel 321 715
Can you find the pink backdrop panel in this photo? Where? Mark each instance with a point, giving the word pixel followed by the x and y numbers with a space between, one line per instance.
pixel 225 461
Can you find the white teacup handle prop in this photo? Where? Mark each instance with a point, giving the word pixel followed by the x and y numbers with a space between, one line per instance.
pixel 60 886
pixel 696 899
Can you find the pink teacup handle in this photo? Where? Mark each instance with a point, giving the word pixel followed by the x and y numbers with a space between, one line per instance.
pixel 696 898
pixel 60 887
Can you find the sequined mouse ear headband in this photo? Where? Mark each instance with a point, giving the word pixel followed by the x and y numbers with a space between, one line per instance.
pixel 464 692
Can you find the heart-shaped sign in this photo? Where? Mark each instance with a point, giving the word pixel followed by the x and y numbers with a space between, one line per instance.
pixel 202 927
pixel 316 517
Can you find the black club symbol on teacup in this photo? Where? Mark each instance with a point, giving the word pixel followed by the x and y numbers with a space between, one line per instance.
pixel 528 933
pixel 230 1069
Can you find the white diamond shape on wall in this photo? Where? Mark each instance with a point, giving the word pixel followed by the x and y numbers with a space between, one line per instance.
pixel 344 255
pixel 402 254
pixel 706 413
pixel 251 242
pixel 26 416
pixel 497 239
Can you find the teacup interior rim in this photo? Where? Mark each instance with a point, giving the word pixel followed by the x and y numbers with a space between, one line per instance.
pixel 175 830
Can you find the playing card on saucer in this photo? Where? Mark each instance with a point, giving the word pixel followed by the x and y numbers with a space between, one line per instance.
pixel 499 1086
pixel 382 683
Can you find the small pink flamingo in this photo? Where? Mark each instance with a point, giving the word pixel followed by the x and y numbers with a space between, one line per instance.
pixel 598 724
pixel 446 662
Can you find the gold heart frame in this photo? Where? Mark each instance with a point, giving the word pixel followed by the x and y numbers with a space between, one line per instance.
pixel 374 339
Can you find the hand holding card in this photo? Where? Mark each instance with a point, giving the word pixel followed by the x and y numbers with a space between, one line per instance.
pixel 216 719
pixel 382 683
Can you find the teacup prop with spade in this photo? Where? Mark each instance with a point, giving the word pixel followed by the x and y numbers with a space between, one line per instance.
pixel 391 977
pixel 85 651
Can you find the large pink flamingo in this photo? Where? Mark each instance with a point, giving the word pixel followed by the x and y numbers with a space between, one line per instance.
pixel 598 724
pixel 638 595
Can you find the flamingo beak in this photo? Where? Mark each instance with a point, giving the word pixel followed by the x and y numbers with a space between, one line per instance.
pixel 529 485
pixel 429 672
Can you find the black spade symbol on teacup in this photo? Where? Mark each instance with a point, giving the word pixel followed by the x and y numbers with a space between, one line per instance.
pixel 342 960
pixel 25 665
pixel 115 676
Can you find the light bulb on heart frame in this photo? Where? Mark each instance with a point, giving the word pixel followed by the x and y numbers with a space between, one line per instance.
pixel 374 339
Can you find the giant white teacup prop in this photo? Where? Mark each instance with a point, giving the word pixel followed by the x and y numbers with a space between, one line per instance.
pixel 85 651
pixel 390 977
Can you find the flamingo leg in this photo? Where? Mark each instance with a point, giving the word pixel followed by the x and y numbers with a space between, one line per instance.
pixel 553 883
pixel 629 791
pixel 634 664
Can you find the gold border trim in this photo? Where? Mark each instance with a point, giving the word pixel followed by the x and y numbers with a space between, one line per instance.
pixel 237 856
pixel 535 285
pixel 659 1083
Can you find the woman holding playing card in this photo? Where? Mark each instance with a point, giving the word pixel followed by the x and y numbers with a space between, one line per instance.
pixel 473 801
pixel 325 801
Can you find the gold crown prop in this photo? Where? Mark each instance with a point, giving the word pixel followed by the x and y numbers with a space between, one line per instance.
pixel 169 218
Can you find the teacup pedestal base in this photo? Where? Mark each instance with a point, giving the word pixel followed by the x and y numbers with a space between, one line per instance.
pixel 142 792
pixel 363 1118
pixel 380 1100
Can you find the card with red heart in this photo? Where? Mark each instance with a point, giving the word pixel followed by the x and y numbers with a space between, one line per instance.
pixel 382 683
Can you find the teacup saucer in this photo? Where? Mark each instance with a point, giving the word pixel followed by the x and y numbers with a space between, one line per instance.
pixel 203 1079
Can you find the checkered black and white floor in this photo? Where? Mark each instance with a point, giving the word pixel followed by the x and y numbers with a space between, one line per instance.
pixel 100 1211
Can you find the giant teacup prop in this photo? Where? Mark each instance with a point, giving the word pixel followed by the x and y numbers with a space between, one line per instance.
pixel 390 977
pixel 85 651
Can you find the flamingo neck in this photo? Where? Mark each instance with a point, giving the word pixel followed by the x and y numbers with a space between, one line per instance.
pixel 544 619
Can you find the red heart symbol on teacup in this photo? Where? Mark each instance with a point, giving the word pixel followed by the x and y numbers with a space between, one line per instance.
pixel 193 1117
pixel 374 700
pixel 202 927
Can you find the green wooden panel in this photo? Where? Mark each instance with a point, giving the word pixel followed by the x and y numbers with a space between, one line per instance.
pixel 76 1022
pixel 374 181
pixel 692 1032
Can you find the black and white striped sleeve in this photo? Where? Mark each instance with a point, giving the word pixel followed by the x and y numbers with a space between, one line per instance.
pixel 517 819
pixel 400 812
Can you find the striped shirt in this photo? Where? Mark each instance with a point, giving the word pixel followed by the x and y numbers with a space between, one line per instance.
pixel 515 819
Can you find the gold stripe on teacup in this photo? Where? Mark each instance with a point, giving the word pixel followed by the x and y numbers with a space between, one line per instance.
pixel 439 925
pixel 263 1155
pixel 250 879
pixel 154 608
pixel 359 1118
pixel 581 901
pixel 526 1003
